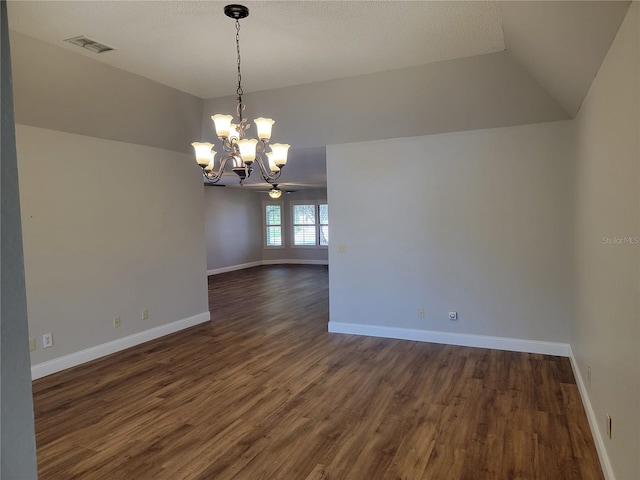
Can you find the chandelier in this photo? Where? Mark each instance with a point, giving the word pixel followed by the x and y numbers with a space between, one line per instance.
pixel 241 151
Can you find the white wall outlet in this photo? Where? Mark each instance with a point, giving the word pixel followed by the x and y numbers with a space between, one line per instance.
pixel 116 322
pixel 453 315
pixel 342 248
pixel 47 340
pixel 145 314
pixel 32 344
pixel 421 312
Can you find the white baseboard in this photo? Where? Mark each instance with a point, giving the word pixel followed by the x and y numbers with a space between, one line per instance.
pixel 295 261
pixel 593 423
pixel 62 363
pixel 287 261
pixel 231 268
pixel 462 339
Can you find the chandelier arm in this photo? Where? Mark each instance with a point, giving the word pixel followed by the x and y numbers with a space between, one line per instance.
pixel 273 178
pixel 223 163
pixel 267 174
pixel 215 176
pixel 209 179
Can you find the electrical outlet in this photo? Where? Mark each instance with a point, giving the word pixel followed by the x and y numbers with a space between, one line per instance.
pixel 453 315
pixel 608 425
pixel 145 314
pixel 342 248
pixel 421 312
pixel 32 344
pixel 589 373
pixel 116 322
pixel 47 340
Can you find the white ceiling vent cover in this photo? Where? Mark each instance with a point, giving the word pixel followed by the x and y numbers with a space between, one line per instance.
pixel 92 45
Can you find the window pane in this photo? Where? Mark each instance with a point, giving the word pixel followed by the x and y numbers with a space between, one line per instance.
pixel 273 215
pixel 324 214
pixel 304 235
pixel 274 237
pixel 324 234
pixel 304 215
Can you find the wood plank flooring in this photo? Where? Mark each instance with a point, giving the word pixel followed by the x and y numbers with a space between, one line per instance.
pixel 264 392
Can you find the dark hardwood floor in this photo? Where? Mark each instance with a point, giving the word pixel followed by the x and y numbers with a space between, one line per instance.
pixel 264 392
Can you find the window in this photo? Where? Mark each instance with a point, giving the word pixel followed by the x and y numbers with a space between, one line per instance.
pixel 310 224
pixel 323 214
pixel 273 225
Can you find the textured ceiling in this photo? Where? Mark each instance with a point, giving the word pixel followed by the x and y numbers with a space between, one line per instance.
pixel 190 45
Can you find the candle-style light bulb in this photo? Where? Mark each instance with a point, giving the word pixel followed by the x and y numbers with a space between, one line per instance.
pixel 204 154
pixel 263 125
pixel 247 148
pixel 223 124
pixel 280 151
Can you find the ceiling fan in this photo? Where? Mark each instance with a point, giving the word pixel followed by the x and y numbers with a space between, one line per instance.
pixel 275 191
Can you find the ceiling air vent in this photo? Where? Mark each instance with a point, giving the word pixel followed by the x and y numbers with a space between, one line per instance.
pixel 84 42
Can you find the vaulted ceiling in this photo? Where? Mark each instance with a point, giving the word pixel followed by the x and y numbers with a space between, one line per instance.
pixel 189 45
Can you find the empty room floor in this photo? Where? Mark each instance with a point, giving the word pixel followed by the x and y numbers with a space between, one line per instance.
pixel 264 392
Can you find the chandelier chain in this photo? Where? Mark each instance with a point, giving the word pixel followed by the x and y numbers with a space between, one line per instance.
pixel 239 89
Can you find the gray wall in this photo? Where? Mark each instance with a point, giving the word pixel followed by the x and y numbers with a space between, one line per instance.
pixel 606 329
pixel 234 222
pixel 573 50
pixel 233 218
pixel 18 446
pixel 478 222
pixel 464 94
pixel 112 228
pixel 111 225
pixel 63 91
